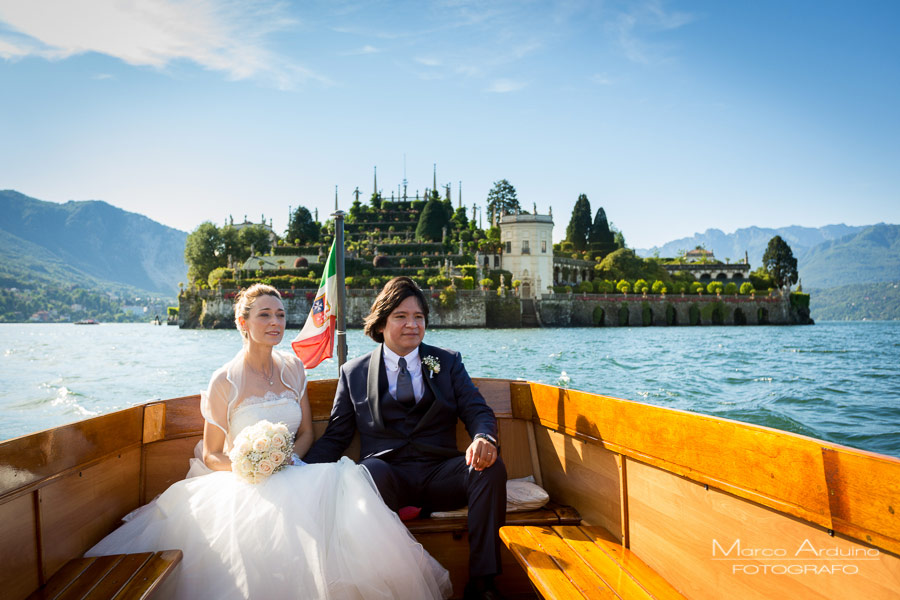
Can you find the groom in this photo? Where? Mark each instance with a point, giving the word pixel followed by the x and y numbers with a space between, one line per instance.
pixel 404 398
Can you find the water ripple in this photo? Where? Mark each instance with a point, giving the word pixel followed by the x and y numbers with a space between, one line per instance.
pixel 836 381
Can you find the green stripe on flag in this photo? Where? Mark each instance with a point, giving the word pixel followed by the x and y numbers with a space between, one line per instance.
pixel 330 270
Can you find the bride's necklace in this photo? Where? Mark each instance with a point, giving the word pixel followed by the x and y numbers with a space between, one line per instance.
pixel 270 376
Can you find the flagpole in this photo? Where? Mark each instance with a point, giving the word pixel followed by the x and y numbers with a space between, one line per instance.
pixel 341 290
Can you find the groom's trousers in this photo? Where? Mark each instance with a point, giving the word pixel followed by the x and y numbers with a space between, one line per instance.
pixel 449 484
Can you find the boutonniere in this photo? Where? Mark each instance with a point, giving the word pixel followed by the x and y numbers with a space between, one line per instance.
pixel 432 364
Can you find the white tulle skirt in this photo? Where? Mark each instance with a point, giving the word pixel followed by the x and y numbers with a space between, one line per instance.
pixel 311 531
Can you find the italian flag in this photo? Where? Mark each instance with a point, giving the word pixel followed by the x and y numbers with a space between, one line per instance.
pixel 315 342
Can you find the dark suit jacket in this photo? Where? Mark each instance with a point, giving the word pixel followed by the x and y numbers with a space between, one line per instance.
pixel 357 407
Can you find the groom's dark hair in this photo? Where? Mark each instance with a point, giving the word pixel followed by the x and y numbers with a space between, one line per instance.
pixel 394 292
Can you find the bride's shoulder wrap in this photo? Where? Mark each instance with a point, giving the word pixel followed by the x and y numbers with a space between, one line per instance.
pixel 228 382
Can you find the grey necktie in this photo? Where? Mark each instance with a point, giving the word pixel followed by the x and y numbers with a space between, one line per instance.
pixel 405 394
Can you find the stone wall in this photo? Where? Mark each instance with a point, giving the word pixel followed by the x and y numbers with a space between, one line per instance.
pixel 593 310
pixel 210 309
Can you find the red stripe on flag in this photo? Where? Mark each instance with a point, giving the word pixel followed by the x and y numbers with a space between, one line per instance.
pixel 313 350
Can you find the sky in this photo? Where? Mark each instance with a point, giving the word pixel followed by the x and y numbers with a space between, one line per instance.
pixel 673 116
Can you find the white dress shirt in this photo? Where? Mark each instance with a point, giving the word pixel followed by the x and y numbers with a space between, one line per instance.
pixel 413 365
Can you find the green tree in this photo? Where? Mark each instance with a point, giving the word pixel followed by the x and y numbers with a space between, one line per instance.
pixel 780 263
pixel 746 288
pixel 579 228
pixel 618 236
pixel 203 251
pixel 432 221
pixel 622 264
pixel 502 199
pixel 601 239
pixel 302 227
pixel 256 237
pixel 461 221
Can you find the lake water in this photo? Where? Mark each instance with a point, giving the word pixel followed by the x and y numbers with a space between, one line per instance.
pixel 835 381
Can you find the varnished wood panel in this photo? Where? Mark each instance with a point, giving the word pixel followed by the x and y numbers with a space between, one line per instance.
pixel 27 460
pixel 63 578
pixel 496 393
pixel 154 422
pixel 513 438
pixel 452 551
pixel 582 475
pixel 165 462
pixel 18 553
pixel 116 579
pixel 150 579
pixel 520 400
pixel 541 566
pixel 621 569
pixel 781 470
pixel 183 416
pixel 864 490
pixel 674 522
pixel 79 509
pixel 98 568
pixel 321 397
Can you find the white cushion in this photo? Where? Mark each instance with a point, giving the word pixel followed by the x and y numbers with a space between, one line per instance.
pixel 521 494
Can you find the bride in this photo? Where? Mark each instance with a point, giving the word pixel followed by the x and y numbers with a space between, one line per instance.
pixel 308 531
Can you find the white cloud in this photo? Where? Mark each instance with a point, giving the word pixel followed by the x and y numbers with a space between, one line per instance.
pixel 227 36
pixel 503 86
pixel 650 16
pixel 428 61
pixel 367 49
pixel 601 79
pixel 102 76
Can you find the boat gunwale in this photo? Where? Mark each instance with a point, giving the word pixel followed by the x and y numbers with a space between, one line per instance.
pixel 522 398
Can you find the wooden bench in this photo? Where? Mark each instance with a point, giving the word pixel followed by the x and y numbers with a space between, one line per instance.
pixel 550 514
pixel 119 576
pixel 582 561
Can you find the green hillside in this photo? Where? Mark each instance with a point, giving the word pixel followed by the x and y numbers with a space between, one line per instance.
pixel 866 302
pixel 93 238
pixel 868 256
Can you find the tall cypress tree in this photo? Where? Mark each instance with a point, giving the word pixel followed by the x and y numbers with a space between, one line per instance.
pixel 432 220
pixel 580 223
pixel 602 241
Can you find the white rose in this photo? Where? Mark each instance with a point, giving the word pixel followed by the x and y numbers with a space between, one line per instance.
pixel 261 444
pixel 265 467
pixel 244 447
pixel 268 427
pixel 277 457
pixel 279 440
pixel 245 466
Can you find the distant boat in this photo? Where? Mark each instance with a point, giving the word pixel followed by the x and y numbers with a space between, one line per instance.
pixel 87 322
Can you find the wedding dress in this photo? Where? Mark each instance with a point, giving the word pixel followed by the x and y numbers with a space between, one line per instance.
pixel 308 531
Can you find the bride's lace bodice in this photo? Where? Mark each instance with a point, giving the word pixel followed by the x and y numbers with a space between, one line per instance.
pixel 276 408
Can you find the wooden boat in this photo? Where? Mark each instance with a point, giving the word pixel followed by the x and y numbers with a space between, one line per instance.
pixel 646 502
pixel 87 322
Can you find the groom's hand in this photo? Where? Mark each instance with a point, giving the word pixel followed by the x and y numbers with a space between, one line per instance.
pixel 481 454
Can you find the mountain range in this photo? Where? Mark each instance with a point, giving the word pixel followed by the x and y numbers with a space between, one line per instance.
pixel 88 243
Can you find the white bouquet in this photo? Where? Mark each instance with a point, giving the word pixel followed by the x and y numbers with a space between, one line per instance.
pixel 260 450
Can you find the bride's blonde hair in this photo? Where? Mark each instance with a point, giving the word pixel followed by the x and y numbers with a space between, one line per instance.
pixel 245 299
